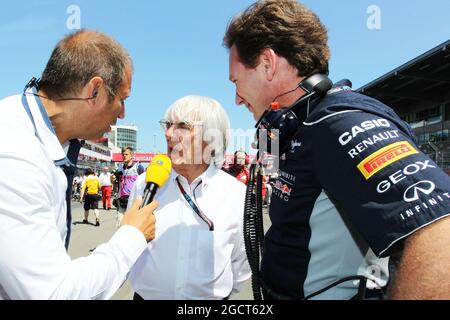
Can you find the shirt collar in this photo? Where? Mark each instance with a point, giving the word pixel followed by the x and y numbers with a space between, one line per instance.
pixel 204 178
pixel 45 129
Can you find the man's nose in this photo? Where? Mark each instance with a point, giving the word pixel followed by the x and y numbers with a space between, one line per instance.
pixel 239 100
pixel 122 113
pixel 169 133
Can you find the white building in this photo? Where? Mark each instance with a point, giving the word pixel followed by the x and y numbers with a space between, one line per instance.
pixel 94 155
pixel 122 136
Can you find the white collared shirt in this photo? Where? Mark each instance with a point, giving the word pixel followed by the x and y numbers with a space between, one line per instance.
pixel 186 260
pixel 33 261
pixel 105 179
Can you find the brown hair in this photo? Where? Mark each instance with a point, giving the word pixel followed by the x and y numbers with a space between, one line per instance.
pixel 127 148
pixel 81 56
pixel 287 27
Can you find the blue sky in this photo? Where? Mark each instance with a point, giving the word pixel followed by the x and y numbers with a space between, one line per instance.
pixel 177 47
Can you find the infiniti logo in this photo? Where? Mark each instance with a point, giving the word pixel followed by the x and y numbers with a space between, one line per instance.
pixel 412 193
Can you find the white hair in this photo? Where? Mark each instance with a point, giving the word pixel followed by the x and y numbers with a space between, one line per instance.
pixel 212 117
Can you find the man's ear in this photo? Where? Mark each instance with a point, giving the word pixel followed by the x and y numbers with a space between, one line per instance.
pixel 92 88
pixel 268 61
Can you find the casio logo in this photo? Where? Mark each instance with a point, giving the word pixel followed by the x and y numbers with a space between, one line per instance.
pixel 346 137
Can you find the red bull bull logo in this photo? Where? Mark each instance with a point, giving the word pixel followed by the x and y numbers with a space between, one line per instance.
pixel 284 188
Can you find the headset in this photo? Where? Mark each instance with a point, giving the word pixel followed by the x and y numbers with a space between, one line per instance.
pixel 280 124
pixel 275 125
pixel 35 83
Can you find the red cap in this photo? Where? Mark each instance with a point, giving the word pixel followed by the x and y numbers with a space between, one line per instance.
pixel 275 106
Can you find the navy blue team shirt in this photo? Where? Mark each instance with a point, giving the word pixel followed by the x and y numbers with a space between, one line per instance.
pixel 352 186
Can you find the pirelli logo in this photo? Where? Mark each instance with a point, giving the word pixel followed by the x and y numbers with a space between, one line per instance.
pixel 384 157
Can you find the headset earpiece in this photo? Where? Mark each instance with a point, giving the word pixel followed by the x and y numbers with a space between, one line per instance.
pixel 95 93
pixel 318 83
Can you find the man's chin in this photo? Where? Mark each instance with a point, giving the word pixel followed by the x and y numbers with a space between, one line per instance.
pixel 257 115
pixel 95 136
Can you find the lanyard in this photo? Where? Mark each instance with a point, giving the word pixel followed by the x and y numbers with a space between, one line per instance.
pixel 194 206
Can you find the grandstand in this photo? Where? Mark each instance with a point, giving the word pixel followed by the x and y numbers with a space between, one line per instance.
pixel 419 91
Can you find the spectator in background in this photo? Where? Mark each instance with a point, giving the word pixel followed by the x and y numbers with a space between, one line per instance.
pixel 89 192
pixel 239 168
pixel 76 187
pixel 128 174
pixel 105 178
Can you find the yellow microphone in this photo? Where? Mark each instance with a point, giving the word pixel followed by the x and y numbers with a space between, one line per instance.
pixel 157 174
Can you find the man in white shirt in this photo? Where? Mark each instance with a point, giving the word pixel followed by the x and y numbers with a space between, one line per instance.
pixel 199 251
pixel 81 94
pixel 106 187
pixel 76 186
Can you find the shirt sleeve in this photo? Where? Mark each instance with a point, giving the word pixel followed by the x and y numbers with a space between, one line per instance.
pixel 378 177
pixel 33 261
pixel 239 262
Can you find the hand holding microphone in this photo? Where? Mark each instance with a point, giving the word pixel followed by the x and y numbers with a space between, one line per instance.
pixel 140 215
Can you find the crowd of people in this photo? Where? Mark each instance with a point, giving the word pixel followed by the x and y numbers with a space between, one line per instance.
pixel 111 187
pixel 385 207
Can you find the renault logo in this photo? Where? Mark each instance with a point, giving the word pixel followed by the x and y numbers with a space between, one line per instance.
pixel 412 193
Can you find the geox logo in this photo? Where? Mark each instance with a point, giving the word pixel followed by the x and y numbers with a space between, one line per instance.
pixel 385 157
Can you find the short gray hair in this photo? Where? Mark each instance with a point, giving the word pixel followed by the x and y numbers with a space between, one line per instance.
pixel 212 117
pixel 81 56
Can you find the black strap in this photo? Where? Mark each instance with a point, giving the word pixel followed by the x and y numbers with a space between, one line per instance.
pixel 194 206
pixel 137 297
pixel 270 294
pixel 72 155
